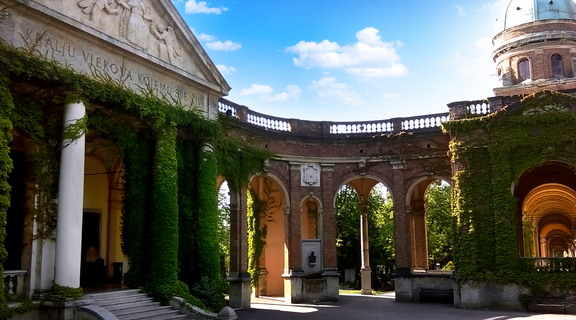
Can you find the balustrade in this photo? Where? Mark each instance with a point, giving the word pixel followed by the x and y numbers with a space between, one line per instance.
pixel 478 108
pixel 430 122
pixel 361 127
pixel 267 122
pixel 424 122
pixel 551 264
pixel 227 108
pixel 14 282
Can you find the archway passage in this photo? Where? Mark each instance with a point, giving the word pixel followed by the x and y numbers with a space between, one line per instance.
pixel 547 212
pixel 267 253
pixel 364 214
pixel 430 223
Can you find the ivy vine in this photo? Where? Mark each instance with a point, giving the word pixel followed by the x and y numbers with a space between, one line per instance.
pixel 491 153
pixel 169 212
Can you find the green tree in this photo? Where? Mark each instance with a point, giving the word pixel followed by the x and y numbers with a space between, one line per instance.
pixel 224 228
pixel 380 229
pixel 440 223
pixel 348 229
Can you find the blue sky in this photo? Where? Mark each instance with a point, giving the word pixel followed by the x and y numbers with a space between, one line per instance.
pixel 348 60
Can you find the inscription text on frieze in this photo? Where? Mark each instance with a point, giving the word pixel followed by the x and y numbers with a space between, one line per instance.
pixel 107 67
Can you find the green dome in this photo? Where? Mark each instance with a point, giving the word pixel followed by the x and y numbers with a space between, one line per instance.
pixel 519 12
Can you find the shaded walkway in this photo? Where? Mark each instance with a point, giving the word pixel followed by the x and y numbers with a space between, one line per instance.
pixel 358 307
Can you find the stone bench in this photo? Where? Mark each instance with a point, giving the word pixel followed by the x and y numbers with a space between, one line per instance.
pixel 548 304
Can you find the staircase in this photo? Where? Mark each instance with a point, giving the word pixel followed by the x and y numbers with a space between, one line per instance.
pixel 131 304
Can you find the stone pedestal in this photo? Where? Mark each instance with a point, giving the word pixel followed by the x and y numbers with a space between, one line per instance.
pixel 240 290
pixel 366 275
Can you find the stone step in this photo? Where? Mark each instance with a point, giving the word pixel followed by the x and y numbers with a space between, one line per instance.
pixel 124 306
pixel 140 309
pixel 122 301
pixel 154 314
pixel 115 293
pixel 105 299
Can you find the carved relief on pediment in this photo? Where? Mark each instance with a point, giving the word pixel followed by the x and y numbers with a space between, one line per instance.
pixel 136 23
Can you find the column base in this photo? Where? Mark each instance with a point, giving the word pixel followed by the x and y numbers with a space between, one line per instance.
pixel 366 275
pixel 240 291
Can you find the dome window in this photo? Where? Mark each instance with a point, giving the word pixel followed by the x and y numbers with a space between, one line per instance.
pixel 557 66
pixel 524 70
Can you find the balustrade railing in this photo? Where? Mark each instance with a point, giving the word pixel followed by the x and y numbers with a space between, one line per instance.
pixel 227 107
pixel 431 122
pixel 478 107
pixel 244 114
pixel 361 127
pixel 14 282
pixel 267 122
pixel 551 264
pixel 424 122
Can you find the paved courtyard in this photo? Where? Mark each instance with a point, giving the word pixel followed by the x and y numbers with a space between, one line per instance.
pixel 384 307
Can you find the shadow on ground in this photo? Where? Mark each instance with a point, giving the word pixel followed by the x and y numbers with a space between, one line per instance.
pixel 356 307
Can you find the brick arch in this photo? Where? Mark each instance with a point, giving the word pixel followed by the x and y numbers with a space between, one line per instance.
pixel 419 180
pixel 351 177
pixel 278 181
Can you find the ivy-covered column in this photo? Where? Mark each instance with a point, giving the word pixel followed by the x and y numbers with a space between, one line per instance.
pixel 208 248
pixel 163 275
pixel 6 106
pixel 71 197
pixel 239 278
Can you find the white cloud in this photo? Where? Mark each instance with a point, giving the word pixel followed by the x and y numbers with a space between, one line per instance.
pixel 461 11
pixel 330 90
pixel 226 70
pixel 206 37
pixel 257 89
pixel 192 6
pixel 369 57
pixel 390 96
pixel 393 71
pixel 227 45
pixel 293 92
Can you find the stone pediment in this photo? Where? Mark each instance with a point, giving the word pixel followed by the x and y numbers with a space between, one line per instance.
pixel 142 44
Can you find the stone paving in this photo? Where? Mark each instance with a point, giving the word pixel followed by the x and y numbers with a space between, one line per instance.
pixel 356 307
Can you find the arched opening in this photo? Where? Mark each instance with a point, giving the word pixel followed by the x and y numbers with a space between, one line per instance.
pixel 224 227
pixel 432 227
pixel 365 235
pixel 547 212
pixel 524 70
pixel 266 236
pixel 557 66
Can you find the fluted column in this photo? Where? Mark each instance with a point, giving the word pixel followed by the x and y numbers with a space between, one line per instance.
pixel 70 201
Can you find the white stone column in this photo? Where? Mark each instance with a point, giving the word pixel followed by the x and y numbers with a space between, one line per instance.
pixel 365 271
pixel 70 202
